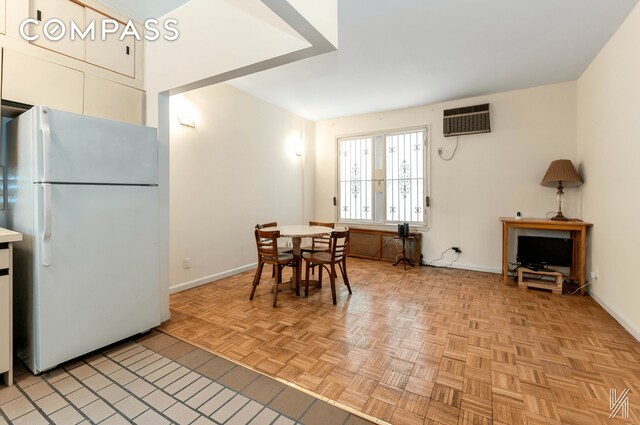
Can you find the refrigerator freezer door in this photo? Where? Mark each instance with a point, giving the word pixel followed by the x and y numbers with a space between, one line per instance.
pixel 100 283
pixel 74 148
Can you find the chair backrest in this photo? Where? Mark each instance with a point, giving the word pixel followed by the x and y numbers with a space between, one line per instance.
pixel 323 241
pixel 265 225
pixel 267 244
pixel 339 245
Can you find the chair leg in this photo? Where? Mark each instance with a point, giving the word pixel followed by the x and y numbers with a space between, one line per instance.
pixel 332 277
pixel 275 288
pixel 273 271
pixel 256 280
pixel 319 275
pixel 306 279
pixel 343 270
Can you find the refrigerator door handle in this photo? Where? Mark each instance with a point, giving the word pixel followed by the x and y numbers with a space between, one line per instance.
pixel 45 130
pixel 46 228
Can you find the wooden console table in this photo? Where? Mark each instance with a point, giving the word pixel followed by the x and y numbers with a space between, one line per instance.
pixel 578 231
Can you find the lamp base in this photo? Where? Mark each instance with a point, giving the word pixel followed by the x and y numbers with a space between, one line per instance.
pixel 560 217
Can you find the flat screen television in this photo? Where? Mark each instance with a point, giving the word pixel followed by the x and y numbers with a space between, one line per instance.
pixel 537 251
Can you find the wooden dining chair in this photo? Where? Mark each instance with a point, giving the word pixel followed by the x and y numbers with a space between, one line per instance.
pixel 283 249
pixel 267 244
pixel 337 255
pixel 318 243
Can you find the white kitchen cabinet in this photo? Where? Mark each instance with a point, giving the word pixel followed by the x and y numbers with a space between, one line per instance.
pixel 111 53
pixel 34 81
pixel 66 11
pixel 3 16
pixel 106 99
pixel 6 303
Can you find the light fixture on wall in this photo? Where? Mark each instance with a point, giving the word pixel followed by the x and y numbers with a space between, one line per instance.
pixel 298 146
pixel 186 120
pixel 561 174
pixel 184 111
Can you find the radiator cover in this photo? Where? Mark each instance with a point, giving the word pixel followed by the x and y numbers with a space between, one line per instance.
pixel 381 245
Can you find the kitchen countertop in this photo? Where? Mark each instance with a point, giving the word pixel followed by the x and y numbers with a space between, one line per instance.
pixel 9 236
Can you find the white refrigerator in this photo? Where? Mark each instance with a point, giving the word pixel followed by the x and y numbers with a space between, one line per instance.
pixel 84 193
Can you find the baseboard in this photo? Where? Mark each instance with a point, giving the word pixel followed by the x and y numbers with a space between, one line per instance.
pixel 448 265
pixel 619 319
pixel 208 279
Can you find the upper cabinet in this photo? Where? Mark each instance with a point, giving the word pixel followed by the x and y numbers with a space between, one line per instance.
pixel 112 53
pixel 33 81
pixel 3 16
pixel 85 74
pixel 106 99
pixel 64 10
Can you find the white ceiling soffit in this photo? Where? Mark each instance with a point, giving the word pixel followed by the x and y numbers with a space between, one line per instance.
pixel 396 54
pixel 231 60
pixel 141 10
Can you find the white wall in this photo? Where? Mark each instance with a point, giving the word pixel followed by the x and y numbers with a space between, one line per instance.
pixel 492 175
pixel 609 151
pixel 236 38
pixel 237 168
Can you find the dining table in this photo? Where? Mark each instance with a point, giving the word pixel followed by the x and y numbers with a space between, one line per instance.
pixel 297 232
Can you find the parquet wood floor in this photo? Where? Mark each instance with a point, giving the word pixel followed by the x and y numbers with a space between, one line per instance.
pixel 425 346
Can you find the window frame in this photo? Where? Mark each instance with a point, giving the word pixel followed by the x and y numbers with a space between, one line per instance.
pixel 385 225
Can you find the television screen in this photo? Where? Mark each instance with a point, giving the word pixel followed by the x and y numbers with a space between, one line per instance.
pixel 543 251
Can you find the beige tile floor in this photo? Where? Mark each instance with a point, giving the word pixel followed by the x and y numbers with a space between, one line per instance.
pixel 159 380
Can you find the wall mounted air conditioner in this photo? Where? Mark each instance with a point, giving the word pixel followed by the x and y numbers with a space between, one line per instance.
pixel 467 120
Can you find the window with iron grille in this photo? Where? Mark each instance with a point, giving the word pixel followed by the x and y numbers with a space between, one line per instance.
pixel 382 178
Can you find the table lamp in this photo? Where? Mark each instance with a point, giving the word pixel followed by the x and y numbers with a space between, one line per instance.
pixel 561 174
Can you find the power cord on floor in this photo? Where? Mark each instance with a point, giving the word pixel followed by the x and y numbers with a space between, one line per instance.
pixel 441 257
pixel 430 263
pixel 580 288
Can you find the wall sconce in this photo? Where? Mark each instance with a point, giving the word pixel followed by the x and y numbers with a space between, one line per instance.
pixel 299 147
pixel 184 110
pixel 186 120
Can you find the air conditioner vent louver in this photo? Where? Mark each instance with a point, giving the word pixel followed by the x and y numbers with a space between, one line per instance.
pixel 467 120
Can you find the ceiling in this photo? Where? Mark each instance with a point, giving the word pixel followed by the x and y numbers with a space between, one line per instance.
pixel 400 53
pixel 141 10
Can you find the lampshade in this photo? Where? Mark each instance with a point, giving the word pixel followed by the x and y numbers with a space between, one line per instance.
pixel 561 170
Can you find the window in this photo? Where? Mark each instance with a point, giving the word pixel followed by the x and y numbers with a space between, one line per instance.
pixel 382 178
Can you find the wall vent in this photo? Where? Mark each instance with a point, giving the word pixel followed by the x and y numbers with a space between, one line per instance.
pixel 467 120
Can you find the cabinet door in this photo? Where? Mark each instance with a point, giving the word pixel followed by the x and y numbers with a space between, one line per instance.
pixel 6 304
pixel 106 99
pixel 3 16
pixel 33 81
pixel 65 10
pixel 111 53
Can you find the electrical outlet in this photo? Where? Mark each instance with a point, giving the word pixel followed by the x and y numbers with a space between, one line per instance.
pixel 186 263
pixel 594 275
